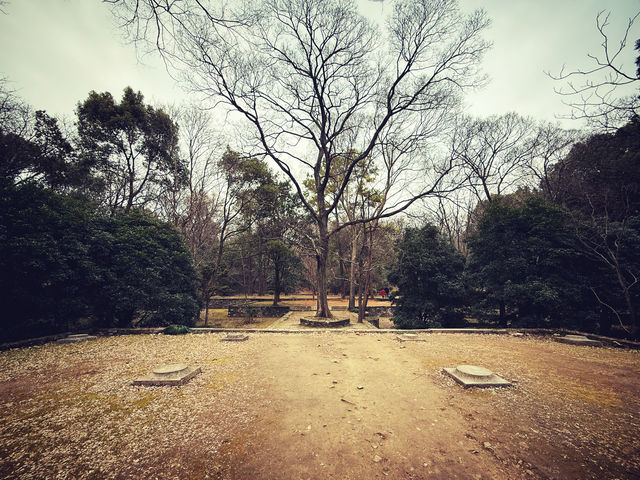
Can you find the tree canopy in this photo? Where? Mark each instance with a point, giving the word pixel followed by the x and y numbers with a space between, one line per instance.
pixel 131 146
pixel 428 273
pixel 524 260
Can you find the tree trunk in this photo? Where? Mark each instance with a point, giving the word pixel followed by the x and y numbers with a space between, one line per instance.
pixel 368 243
pixel 343 283
pixel 635 330
pixel 206 311
pixel 276 286
pixel 352 269
pixel 322 256
pixel 503 320
pixel 605 322
pixel 362 301
pixel 209 284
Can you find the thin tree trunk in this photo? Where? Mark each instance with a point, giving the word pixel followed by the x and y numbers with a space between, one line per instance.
pixel 343 283
pixel 635 329
pixel 503 320
pixel 276 287
pixel 321 257
pixel 367 273
pixel 352 269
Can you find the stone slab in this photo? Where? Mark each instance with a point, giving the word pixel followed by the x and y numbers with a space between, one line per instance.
pixel 578 340
pixel 409 337
pixel 171 378
pixel 474 376
pixel 76 338
pixel 235 337
pixel 312 322
pixel 170 369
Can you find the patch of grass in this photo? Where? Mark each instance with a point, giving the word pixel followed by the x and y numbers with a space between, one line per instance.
pixel 240 322
pixel 221 380
pixel 590 394
pixel 216 315
pixel 218 360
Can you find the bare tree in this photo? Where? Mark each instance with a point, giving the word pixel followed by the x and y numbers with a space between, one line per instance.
pixel 452 215
pixel 602 93
pixel 551 144
pixel 499 155
pixel 16 116
pixel 200 144
pixel 495 153
pixel 315 79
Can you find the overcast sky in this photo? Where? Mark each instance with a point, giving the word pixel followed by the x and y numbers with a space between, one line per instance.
pixel 54 52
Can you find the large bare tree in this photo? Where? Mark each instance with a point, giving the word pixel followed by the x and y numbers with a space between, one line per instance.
pixel 315 80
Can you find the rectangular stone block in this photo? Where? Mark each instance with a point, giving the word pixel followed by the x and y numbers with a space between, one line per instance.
pixel 409 337
pixel 76 338
pixel 168 379
pixel 317 323
pixel 578 340
pixel 235 337
pixel 471 376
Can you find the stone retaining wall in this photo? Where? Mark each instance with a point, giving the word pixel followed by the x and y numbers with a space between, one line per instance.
pixel 225 302
pixel 312 322
pixel 301 308
pixel 380 311
pixel 257 311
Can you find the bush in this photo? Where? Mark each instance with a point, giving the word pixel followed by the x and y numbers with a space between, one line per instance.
pixel 61 262
pixel 45 273
pixel 526 263
pixel 145 273
pixel 428 275
pixel 176 330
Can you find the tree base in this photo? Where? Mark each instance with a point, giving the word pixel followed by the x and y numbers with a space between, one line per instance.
pixel 323 322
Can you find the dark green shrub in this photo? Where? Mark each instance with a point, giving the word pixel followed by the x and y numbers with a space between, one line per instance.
pixel 176 330
pixel 146 277
pixel 428 274
pixel 61 261
pixel 527 265
pixel 45 273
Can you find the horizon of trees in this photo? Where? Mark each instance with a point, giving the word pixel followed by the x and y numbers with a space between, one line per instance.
pixel 556 207
pixel 521 255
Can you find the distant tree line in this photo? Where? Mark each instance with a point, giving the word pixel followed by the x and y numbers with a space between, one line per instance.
pixel 563 254
pixel 137 215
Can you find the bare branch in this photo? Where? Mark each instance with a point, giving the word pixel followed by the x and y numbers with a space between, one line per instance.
pixel 604 94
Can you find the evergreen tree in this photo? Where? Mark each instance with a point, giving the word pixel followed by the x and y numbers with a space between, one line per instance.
pixel 525 261
pixel 428 275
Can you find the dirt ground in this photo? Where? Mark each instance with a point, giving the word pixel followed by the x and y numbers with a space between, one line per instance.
pixel 341 405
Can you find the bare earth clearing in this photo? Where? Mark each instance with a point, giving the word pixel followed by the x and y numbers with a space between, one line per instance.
pixel 321 405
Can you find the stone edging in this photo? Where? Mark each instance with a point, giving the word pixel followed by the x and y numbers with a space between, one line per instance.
pixel 609 341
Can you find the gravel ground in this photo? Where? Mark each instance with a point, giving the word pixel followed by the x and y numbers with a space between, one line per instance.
pixel 320 405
